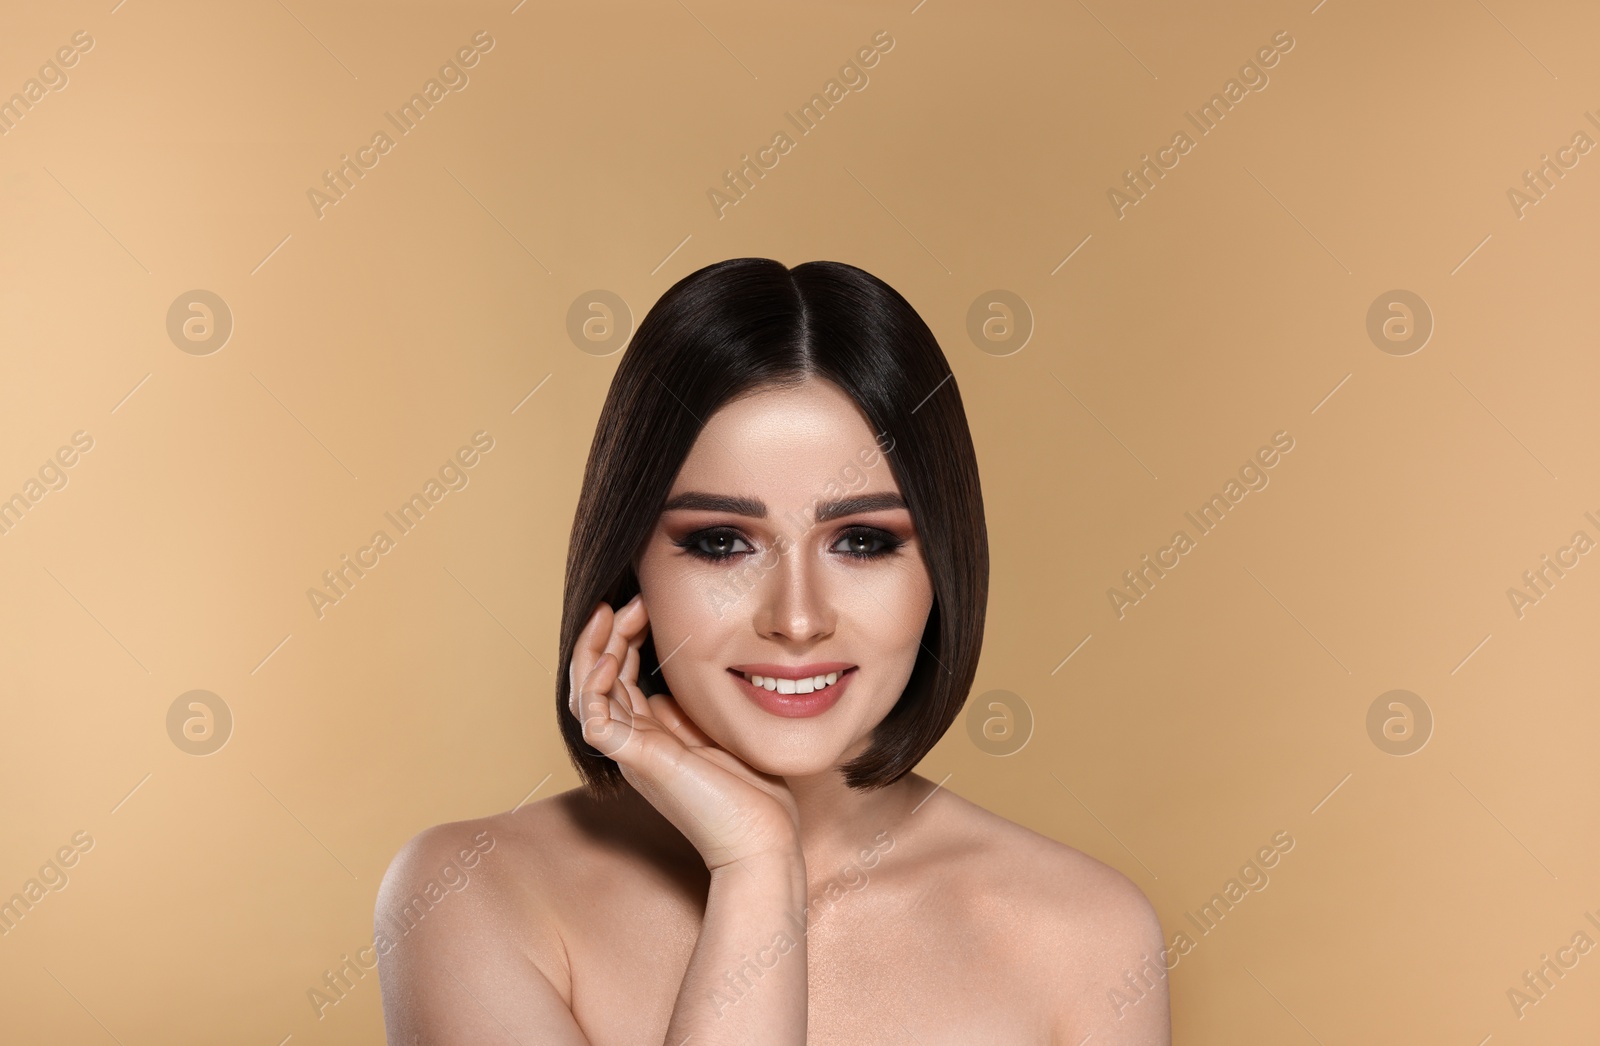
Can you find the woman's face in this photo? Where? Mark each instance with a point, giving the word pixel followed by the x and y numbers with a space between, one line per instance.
pixel 785 551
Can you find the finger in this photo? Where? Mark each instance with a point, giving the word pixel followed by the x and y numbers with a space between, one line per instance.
pixel 628 631
pixel 602 696
pixel 630 664
pixel 639 625
pixel 584 655
pixel 630 678
pixel 630 627
pixel 633 615
pixel 665 710
pixel 607 724
pixel 609 736
pixel 590 697
pixel 586 652
pixel 624 625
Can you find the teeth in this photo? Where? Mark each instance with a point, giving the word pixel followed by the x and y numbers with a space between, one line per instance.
pixel 808 685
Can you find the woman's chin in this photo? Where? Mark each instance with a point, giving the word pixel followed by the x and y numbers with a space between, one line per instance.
pixel 802 763
pixel 794 765
pixel 778 746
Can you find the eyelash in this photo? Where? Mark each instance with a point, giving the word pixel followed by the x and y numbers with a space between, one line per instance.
pixel 691 544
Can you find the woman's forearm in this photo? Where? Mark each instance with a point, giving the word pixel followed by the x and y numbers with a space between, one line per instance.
pixel 746 981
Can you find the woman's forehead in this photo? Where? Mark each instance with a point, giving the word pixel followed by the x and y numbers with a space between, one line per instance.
pixel 785 441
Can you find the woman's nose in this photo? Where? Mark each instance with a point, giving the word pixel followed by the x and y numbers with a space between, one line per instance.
pixel 792 599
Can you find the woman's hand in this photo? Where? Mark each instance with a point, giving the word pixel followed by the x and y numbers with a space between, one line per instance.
pixel 730 812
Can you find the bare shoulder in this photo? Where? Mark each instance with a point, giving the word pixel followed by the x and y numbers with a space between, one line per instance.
pixel 1064 884
pixel 448 880
pixel 523 875
pixel 526 842
pixel 1087 923
pixel 468 924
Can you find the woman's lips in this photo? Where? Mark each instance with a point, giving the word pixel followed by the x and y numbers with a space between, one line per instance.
pixel 794 704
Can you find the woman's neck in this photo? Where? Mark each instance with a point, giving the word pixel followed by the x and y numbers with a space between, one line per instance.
pixel 839 823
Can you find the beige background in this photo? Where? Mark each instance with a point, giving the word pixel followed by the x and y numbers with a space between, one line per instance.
pixel 1229 305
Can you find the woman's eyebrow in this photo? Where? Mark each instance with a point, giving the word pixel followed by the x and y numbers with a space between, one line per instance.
pixel 694 499
pixel 887 499
pixel 757 509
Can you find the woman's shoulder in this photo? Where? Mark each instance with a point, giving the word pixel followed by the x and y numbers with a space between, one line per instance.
pixel 1068 896
pixel 1082 923
pixel 541 856
pixel 500 884
pixel 484 909
pixel 532 846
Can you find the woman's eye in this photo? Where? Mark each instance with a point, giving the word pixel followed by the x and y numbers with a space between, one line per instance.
pixel 866 544
pixel 715 545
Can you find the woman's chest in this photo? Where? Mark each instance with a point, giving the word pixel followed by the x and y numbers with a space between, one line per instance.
pixel 878 969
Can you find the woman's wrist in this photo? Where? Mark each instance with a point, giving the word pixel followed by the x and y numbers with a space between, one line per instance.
pixel 782 871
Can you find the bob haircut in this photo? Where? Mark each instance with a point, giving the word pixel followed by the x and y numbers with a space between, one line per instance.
pixel 748 324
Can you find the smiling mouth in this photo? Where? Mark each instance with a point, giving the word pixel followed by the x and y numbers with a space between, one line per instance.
pixel 786 685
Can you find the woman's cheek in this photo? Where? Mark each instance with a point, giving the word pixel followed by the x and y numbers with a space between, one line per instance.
pixel 902 589
pixel 694 598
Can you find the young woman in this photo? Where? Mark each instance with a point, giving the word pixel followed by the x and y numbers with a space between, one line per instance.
pixel 774 606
